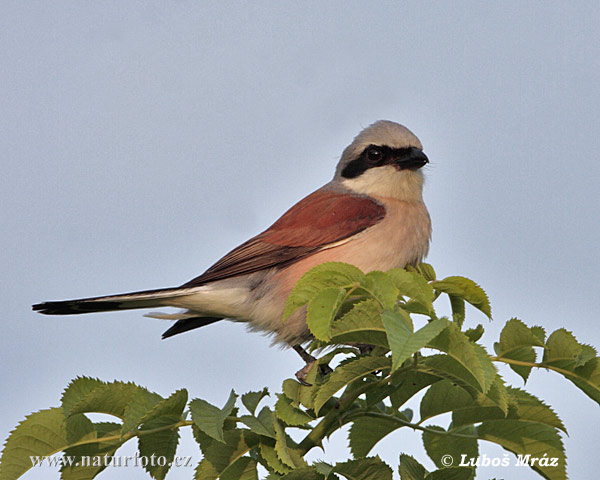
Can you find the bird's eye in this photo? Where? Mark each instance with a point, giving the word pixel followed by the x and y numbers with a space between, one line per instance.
pixel 374 155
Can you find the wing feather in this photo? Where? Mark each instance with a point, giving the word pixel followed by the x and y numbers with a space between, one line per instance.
pixel 319 220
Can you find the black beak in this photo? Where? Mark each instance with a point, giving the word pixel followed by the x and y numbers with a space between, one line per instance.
pixel 411 159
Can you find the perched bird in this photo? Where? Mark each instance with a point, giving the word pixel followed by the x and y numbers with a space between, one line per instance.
pixel 371 214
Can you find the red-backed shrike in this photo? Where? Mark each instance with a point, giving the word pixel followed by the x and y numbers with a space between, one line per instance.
pixel 371 215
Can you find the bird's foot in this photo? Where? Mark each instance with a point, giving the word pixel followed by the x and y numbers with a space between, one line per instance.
pixel 301 374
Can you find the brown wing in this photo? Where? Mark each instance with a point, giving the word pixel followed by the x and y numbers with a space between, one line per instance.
pixel 318 220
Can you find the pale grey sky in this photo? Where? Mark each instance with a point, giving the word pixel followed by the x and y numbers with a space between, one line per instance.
pixel 143 140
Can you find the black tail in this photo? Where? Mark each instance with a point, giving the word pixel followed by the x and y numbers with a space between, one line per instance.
pixel 125 301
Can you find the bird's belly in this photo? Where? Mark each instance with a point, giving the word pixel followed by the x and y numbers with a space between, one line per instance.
pixel 402 238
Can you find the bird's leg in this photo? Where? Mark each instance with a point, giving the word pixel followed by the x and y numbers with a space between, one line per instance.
pixel 307 357
pixel 310 361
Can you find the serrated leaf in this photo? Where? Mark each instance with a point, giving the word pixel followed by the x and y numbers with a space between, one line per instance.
pixel 416 288
pixel 426 271
pixel 322 309
pixel 173 405
pixel 403 342
pixel 525 406
pixel 381 286
pixel 110 398
pixel 452 473
pixel 87 459
pixel 458 309
pixel 516 343
pixel 307 473
pixel 261 424
pixel 289 414
pixel 268 453
pixel 325 275
pixel 371 468
pixel 408 384
pixel 252 399
pixel 365 432
pixel 301 394
pixel 347 373
pixel 564 351
pixel 210 419
pixel 468 354
pixel 410 469
pixel 140 405
pixel 162 443
pixel 467 289
pixel 362 324
pixel 528 438
pixel 439 445
pixel 42 434
pixel 577 362
pixel 244 468
pixel 475 334
pixel 443 396
pixel 285 448
pixel 77 390
pixel 219 456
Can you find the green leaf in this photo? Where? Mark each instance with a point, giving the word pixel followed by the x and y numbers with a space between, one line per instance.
pixel 563 350
pixel 140 405
pixel 466 289
pixel 252 399
pixel 289 414
pixel 528 438
pixel 301 394
pixel 244 468
pixel 269 455
pixel 452 473
pixel 210 419
pixel 285 448
pixel 577 362
pixel 410 469
pixel 88 459
pixel 371 468
pixel 347 373
pixel 516 343
pixel 322 309
pixel 403 342
pixel 219 456
pixel 365 432
pixel 475 334
pixel 262 424
pixel 162 443
pixel 77 390
pixel 469 355
pixel 425 270
pixel 525 406
pixel 458 309
pixel 381 287
pixel 42 434
pixel 308 473
pixel 85 395
pixel 408 384
pixel 444 396
pixel 362 324
pixel 325 275
pixel 440 445
pixel 416 288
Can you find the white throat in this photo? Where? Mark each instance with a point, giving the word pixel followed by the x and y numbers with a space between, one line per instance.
pixel 387 181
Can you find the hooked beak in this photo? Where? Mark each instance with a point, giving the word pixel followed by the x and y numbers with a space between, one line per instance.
pixel 411 159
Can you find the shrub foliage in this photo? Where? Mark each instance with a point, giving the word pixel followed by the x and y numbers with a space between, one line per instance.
pixel 392 345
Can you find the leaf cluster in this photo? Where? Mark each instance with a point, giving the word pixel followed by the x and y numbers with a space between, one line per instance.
pixel 382 331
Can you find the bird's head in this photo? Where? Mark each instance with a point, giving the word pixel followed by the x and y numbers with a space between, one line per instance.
pixel 384 160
